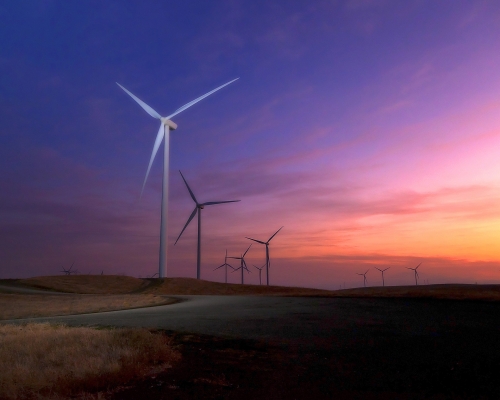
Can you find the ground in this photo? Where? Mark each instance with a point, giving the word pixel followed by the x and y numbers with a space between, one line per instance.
pixel 374 343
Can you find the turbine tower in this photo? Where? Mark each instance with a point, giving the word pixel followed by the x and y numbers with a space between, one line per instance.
pixel 364 277
pixel 260 273
pixel 166 125
pixel 243 264
pixel 225 265
pixel 197 209
pixel 416 273
pixel 268 264
pixel 382 270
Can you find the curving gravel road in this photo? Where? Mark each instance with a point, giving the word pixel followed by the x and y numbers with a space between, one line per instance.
pixel 295 319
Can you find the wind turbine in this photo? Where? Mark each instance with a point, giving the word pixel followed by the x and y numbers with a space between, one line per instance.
pixel 197 209
pixel 243 264
pixel 166 125
pixel 382 270
pixel 268 264
pixel 416 273
pixel 225 265
pixel 364 277
pixel 260 273
pixel 68 271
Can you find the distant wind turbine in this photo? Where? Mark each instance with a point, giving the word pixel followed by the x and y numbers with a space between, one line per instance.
pixel 166 125
pixel 243 264
pixel 225 265
pixel 416 273
pixel 69 270
pixel 382 270
pixel 197 209
pixel 260 273
pixel 364 277
pixel 268 262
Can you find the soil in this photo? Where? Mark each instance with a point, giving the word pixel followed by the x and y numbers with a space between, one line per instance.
pixel 355 366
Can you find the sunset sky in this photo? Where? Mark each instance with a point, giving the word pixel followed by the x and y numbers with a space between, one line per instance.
pixel 369 129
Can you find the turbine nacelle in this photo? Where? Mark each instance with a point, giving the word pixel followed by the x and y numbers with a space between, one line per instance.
pixel 171 124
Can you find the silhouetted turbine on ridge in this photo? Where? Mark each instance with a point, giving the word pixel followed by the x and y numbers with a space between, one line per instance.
pixel 225 265
pixel 166 125
pixel 243 264
pixel 416 273
pixel 197 209
pixel 260 273
pixel 69 270
pixel 268 262
pixel 382 270
pixel 364 277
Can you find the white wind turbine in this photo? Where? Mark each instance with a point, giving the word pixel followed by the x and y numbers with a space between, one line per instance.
pixel 166 125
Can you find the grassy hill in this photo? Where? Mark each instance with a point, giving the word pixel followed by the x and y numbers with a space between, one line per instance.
pixel 113 284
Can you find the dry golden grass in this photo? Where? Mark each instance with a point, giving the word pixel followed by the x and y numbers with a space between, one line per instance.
pixel 449 291
pixel 26 306
pixel 90 284
pixel 48 361
pixel 190 286
pixel 176 286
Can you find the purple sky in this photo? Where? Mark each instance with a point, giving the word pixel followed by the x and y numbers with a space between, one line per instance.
pixel 369 129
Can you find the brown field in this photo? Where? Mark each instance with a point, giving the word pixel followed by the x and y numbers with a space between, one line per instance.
pixel 89 284
pixel 55 362
pixel 14 306
pixel 190 286
pixel 108 284
pixel 449 292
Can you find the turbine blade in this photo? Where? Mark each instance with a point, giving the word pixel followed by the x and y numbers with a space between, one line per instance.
pixel 219 267
pixel 159 138
pixel 418 266
pixel 187 223
pixel 193 102
pixel 190 191
pixel 210 203
pixel 246 252
pixel 146 108
pixel 379 269
pixel 275 234
pixel 255 240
